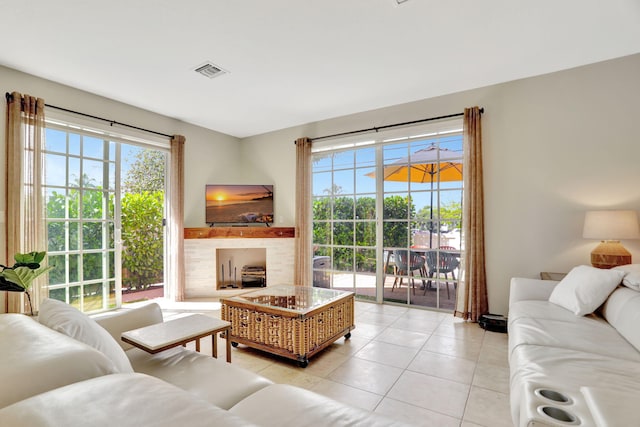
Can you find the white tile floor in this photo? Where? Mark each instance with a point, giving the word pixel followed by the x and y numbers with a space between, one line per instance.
pixel 423 367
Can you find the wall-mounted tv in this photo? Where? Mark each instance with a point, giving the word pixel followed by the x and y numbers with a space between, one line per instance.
pixel 239 204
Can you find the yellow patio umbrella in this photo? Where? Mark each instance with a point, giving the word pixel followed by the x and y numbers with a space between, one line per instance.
pixel 423 166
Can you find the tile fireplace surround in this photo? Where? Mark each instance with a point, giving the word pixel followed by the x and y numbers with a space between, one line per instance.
pixel 201 247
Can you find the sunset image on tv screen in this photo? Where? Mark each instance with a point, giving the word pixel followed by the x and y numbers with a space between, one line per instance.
pixel 239 204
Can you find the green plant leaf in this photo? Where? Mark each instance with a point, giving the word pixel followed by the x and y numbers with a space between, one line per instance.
pixel 24 276
pixel 30 258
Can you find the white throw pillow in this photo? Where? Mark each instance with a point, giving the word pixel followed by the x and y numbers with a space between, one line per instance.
pixel 585 288
pixel 632 278
pixel 70 321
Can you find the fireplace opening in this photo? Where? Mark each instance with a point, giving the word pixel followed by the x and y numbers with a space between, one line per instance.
pixel 241 268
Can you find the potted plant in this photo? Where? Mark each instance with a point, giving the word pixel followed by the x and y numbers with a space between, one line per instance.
pixel 20 277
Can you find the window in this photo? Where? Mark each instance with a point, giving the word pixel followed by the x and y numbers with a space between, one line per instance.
pixel 387 215
pixel 86 207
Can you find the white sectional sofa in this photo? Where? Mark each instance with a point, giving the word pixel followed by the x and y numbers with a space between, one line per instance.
pixel 73 372
pixel 571 369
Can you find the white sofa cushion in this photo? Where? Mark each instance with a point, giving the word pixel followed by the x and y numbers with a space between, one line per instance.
pixel 551 326
pixel 585 288
pixel 214 380
pixel 632 277
pixel 537 309
pixel 123 400
pixel 35 359
pixel 622 311
pixel 68 320
pixel 284 405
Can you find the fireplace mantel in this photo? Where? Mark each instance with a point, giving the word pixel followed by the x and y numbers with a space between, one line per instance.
pixel 238 232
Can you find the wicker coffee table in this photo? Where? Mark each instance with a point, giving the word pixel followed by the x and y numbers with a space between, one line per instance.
pixel 291 321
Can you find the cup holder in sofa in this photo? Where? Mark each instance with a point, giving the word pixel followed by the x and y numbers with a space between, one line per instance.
pixel 552 405
pixel 559 414
pixel 554 396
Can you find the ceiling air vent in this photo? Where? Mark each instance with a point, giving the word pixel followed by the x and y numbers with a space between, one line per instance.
pixel 210 70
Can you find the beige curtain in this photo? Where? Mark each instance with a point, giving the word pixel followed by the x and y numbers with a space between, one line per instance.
pixel 175 263
pixel 472 298
pixel 304 236
pixel 25 228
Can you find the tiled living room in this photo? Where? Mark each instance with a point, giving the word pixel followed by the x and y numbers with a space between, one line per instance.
pixel 558 86
pixel 419 366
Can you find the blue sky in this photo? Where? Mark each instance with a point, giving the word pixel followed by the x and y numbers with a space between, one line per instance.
pixel 350 169
pixel 92 151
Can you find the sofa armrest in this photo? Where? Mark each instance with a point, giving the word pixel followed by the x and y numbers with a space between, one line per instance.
pixel 128 319
pixel 523 289
pixel 35 359
pixel 123 400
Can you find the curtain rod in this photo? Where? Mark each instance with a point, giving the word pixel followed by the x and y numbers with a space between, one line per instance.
pixel 378 128
pixel 111 122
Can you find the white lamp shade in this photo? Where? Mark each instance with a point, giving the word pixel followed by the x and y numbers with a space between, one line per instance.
pixel 611 225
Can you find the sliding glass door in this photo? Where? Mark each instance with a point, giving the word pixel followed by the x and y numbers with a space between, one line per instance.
pixel 94 225
pixel 142 214
pixel 422 192
pixel 344 221
pixel 387 216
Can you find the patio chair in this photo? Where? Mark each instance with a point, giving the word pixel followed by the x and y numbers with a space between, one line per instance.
pixel 406 263
pixel 440 262
pixel 321 266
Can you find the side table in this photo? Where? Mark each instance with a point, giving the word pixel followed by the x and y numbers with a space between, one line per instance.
pixel 546 275
pixel 172 333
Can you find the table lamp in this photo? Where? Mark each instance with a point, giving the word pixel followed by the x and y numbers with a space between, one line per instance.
pixel 610 227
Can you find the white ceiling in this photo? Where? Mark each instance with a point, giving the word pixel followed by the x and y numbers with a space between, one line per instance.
pixel 292 62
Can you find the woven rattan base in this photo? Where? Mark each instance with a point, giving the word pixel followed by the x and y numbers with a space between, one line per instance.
pixel 288 333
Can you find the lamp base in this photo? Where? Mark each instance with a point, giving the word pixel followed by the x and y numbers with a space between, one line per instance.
pixel 609 254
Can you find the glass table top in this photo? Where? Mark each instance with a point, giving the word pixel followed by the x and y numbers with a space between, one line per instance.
pixel 299 299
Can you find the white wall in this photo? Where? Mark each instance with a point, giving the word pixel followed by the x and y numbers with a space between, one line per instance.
pixel 554 146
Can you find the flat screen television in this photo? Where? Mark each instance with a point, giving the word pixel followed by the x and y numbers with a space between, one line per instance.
pixel 239 204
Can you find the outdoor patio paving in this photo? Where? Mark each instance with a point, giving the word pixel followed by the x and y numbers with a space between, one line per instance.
pixel 366 287
pixel 156 291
